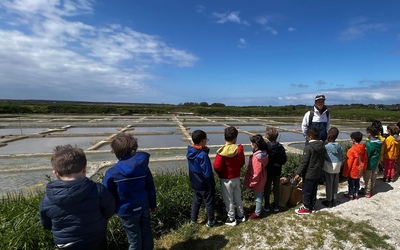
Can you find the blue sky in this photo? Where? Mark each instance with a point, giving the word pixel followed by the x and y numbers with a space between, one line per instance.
pixel 233 52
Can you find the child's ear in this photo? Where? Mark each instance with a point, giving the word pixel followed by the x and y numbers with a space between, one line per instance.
pixel 56 174
pixel 84 169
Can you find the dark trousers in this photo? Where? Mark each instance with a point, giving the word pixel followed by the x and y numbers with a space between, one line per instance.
pixel 209 200
pixel 310 193
pixel 272 181
pixel 354 186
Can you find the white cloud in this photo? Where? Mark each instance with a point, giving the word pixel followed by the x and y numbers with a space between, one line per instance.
pixel 242 43
pixel 230 16
pixel 51 56
pixel 359 27
pixel 376 93
pixel 290 29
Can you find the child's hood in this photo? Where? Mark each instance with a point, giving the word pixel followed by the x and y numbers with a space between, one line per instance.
pixel 359 148
pixel 132 164
pixel 64 192
pixel 228 150
pixel 261 156
pixel 334 151
pixel 193 151
pixel 318 146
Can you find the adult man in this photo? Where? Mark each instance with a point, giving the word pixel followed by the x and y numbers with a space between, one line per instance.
pixel 318 118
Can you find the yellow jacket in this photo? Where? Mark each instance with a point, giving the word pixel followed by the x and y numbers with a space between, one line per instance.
pixel 390 148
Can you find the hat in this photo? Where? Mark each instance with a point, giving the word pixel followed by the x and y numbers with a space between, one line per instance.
pixel 320 97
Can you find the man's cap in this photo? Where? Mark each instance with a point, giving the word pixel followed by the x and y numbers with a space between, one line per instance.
pixel 320 97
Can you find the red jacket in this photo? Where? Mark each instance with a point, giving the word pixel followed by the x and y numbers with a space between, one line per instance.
pixel 356 161
pixel 229 160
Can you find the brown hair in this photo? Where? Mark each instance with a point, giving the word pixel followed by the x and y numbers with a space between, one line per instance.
pixel 333 133
pixel 313 132
pixel 68 160
pixel 124 144
pixel 272 133
pixel 231 133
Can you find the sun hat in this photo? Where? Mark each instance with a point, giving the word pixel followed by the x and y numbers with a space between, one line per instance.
pixel 320 97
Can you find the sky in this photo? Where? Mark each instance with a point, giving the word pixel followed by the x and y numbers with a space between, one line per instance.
pixel 236 52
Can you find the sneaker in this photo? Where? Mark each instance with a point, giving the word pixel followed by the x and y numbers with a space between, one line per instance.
pixel 349 196
pixel 193 222
pixel 368 195
pixel 303 210
pixel 355 197
pixel 276 209
pixel 327 203
pixel 266 209
pixel 230 222
pixel 254 216
pixel 210 223
pixel 240 219
pixel 313 210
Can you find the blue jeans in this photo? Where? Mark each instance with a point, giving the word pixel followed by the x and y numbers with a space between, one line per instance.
pixel 138 231
pixel 258 197
pixel 354 186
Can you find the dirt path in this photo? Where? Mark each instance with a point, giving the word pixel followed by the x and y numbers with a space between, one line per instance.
pixel 382 210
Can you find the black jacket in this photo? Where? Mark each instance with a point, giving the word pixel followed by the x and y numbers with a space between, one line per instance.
pixel 277 158
pixel 312 160
pixel 77 211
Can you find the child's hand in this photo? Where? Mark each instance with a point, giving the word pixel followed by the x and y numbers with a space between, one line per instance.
pixel 295 177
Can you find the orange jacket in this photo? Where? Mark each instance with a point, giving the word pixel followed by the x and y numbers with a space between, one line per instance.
pixel 356 161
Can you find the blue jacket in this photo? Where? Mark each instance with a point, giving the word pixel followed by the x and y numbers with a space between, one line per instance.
pixel 77 212
pixel 131 183
pixel 200 169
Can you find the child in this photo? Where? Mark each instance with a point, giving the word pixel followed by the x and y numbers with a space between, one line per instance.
pixel 390 153
pixel 131 183
pixel 310 169
pixel 332 165
pixel 227 164
pixel 256 175
pixel 374 147
pixel 201 177
pixel 355 165
pixel 276 158
pixel 75 208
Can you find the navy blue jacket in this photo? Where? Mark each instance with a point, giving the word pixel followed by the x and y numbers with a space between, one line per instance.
pixel 131 183
pixel 200 169
pixel 77 212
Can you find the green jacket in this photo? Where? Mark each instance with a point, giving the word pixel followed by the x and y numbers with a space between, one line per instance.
pixel 374 147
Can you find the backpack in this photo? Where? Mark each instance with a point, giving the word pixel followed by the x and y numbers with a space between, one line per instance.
pixel 312 115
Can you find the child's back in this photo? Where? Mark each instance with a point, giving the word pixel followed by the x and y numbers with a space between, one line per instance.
pixel 356 161
pixel 74 207
pixel 227 164
pixel 229 160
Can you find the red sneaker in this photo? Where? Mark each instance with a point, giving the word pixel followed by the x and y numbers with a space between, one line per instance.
pixel 254 216
pixel 368 195
pixel 303 210
pixel 350 197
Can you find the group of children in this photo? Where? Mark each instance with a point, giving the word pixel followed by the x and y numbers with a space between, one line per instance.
pixel 76 209
pixel 263 171
pixel 362 160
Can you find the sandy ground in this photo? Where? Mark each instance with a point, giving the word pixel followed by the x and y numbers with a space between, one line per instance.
pixel 382 210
